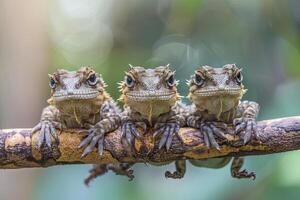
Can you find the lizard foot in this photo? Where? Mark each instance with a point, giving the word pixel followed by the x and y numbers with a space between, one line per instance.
pixel 180 170
pixel 122 169
pixel 95 136
pixel 96 171
pixel 100 169
pixel 48 130
pixel 236 166
pixel 246 128
pixel 167 130
pixel 210 130
pixel 130 132
pixel 174 175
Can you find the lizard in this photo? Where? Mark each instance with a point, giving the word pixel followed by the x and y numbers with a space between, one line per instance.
pixel 151 100
pixel 79 100
pixel 216 94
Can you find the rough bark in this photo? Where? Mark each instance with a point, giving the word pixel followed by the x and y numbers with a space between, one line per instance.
pixel 18 146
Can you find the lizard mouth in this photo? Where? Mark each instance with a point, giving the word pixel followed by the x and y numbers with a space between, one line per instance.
pixel 150 96
pixel 75 95
pixel 218 92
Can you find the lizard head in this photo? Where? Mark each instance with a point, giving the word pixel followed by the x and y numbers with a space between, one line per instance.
pixel 216 90
pixel 76 88
pixel 149 91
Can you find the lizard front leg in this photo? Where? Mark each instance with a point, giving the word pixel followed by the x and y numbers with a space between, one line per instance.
pixel 130 131
pixel 48 126
pixel 180 170
pixel 168 127
pixel 110 122
pixel 236 166
pixel 245 124
pixel 131 126
pixel 208 129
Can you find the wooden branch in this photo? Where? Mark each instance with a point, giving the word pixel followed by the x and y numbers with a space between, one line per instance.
pixel 18 146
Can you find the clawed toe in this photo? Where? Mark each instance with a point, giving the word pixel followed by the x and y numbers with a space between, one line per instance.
pixel 246 128
pixel 130 132
pixel 130 175
pixel 95 136
pixel 47 133
pixel 174 175
pixel 210 130
pixel 122 169
pixel 209 137
pixel 245 174
pixel 167 132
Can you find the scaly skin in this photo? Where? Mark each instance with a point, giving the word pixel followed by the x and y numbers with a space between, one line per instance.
pixel 151 101
pixel 78 100
pixel 216 95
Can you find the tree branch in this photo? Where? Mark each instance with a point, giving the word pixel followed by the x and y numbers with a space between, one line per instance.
pixel 18 146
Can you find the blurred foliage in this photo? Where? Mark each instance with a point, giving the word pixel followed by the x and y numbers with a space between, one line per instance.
pixel 262 37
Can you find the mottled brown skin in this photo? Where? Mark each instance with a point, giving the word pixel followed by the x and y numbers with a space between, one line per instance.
pixel 216 95
pixel 151 101
pixel 78 100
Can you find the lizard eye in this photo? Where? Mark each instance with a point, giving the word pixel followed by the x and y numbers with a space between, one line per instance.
pixel 239 77
pixel 52 83
pixel 129 81
pixel 198 80
pixel 171 81
pixel 92 80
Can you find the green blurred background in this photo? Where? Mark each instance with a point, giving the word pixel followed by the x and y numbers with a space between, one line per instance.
pixel 262 37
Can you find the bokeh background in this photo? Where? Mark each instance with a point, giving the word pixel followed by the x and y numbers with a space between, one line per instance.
pixel 262 37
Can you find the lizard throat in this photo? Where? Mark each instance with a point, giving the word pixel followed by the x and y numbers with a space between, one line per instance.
pixel 151 110
pixel 217 108
pixel 80 110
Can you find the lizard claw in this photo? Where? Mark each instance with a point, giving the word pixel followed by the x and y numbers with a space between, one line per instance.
pixel 130 132
pixel 95 136
pixel 236 171
pixel 123 169
pixel 174 175
pixel 246 128
pixel 210 130
pixel 167 130
pixel 47 132
pixel 96 171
